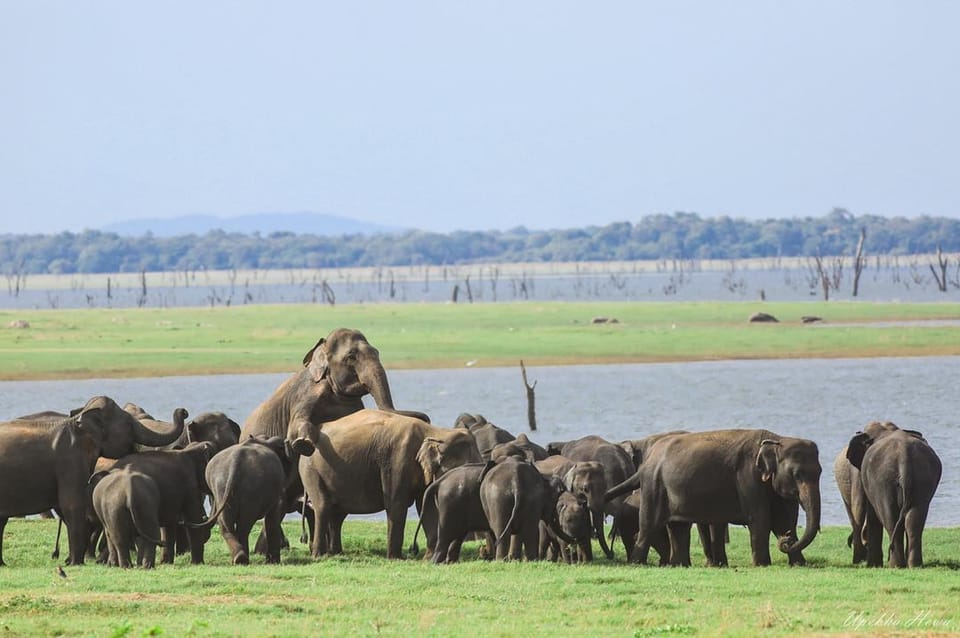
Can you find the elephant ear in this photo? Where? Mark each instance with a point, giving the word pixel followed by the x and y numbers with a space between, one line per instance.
pixel 315 362
pixel 429 457
pixel 568 478
pixel 857 448
pixel 915 434
pixel 767 459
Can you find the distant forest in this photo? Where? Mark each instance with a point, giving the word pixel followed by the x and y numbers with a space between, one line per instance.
pixel 677 236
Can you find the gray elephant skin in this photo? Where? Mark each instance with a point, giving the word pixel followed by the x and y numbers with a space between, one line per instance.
pixel 451 509
pixel 515 497
pixel 45 463
pixel 215 427
pixel 127 503
pixel 586 479
pixel 573 519
pixel 372 461
pixel 486 434
pixel 899 472
pixel 179 476
pixel 246 482
pixel 617 467
pixel 726 476
pixel 338 371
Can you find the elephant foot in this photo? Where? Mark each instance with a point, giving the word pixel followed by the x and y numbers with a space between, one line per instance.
pixel 241 558
pixel 303 446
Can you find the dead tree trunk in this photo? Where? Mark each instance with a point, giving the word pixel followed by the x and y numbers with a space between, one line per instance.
pixel 531 399
pixel 941 276
pixel 859 261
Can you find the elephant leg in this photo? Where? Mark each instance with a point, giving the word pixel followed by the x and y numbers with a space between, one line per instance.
pixel 913 526
pixel 336 531
pixel 272 527
pixel 529 537
pixel 321 540
pixel 76 536
pixel 3 525
pixel 122 545
pixel 545 542
pixel 148 558
pixel 396 521
pixel 760 543
pixel 228 531
pixel 169 536
pixel 874 538
pixel 679 534
pixel 453 553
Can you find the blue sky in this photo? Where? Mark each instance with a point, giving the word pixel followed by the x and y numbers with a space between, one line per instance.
pixel 476 115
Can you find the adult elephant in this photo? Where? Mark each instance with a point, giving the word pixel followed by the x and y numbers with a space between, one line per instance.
pixel 617 467
pixel 900 473
pixel 46 463
pixel 337 373
pixel 727 475
pixel 371 461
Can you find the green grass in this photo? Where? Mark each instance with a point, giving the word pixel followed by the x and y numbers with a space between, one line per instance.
pixel 273 338
pixel 362 593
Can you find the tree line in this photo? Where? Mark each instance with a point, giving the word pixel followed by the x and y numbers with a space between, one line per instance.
pixel 677 236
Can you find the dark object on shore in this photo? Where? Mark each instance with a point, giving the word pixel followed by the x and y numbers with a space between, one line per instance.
pixel 763 317
pixel 810 319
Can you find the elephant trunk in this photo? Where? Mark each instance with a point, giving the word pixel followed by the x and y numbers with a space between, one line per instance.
pixel 598 517
pixel 810 502
pixel 160 437
pixel 374 378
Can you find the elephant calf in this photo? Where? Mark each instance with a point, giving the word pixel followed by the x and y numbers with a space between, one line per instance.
pixel 573 517
pixel 179 476
pixel 452 509
pixel 515 497
pixel 127 502
pixel 247 483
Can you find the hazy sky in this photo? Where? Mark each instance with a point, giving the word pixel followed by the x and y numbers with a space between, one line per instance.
pixel 476 115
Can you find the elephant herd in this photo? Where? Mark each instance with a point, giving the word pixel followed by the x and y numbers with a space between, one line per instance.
pixel 123 481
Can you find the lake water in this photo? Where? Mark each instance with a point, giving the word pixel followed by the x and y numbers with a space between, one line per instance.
pixel 823 400
pixel 890 279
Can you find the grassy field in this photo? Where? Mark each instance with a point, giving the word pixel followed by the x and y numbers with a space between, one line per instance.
pixel 267 338
pixel 363 594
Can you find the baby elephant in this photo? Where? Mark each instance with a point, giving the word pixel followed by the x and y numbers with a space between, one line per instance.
pixel 573 516
pixel 247 483
pixel 515 497
pixel 127 502
pixel 452 509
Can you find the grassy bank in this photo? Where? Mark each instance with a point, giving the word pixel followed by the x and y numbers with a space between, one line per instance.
pixel 272 338
pixel 361 593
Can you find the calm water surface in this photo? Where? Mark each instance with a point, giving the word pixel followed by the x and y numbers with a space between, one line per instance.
pixel 824 400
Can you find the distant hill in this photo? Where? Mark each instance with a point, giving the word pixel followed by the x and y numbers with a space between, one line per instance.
pixel 264 223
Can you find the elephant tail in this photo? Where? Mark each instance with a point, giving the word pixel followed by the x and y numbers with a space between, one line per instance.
pixel 429 497
pixel 138 524
pixel 513 515
pixel 215 515
pixel 906 487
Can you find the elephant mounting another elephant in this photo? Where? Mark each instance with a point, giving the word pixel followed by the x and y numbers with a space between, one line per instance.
pixel 727 476
pixel 337 373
